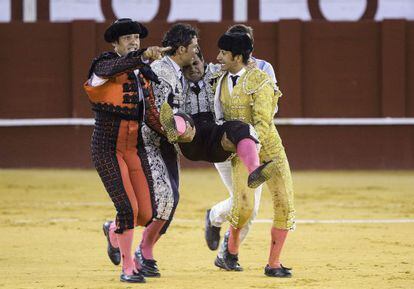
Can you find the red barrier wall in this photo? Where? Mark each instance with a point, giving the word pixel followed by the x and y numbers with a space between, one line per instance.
pixel 325 69
pixel 307 147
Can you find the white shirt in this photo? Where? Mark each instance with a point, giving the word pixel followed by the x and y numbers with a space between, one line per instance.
pixel 200 84
pixel 177 69
pixel 230 81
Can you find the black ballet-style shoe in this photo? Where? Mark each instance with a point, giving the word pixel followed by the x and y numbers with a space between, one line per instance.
pixel 229 262
pixel 136 277
pixel 113 253
pixel 212 233
pixel 261 174
pixel 282 272
pixel 148 267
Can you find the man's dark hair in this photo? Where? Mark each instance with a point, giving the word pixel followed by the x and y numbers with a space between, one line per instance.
pixel 241 28
pixel 237 43
pixel 180 34
pixel 246 57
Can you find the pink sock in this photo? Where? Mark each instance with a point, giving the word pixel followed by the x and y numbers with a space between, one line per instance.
pixel 150 236
pixel 112 236
pixel 234 240
pixel 276 245
pixel 180 124
pixel 125 244
pixel 247 152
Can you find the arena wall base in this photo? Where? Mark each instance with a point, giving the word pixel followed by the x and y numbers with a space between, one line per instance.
pixel 330 147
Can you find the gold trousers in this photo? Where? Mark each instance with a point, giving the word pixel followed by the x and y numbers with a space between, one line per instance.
pixel 280 186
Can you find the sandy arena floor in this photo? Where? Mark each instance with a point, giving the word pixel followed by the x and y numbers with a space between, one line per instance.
pixel 51 234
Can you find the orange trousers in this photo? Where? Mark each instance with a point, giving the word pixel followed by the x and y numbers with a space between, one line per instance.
pixel 133 176
pixel 116 158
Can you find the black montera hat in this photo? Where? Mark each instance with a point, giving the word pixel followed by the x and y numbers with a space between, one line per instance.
pixel 237 43
pixel 124 26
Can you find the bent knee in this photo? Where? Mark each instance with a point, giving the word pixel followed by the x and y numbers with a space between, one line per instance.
pixel 144 217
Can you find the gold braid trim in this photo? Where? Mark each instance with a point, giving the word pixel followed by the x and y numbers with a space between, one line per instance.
pixel 253 76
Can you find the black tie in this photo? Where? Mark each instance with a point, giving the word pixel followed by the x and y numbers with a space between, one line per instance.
pixel 234 79
pixel 181 78
pixel 196 88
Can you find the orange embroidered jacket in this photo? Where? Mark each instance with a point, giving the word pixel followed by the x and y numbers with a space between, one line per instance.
pixel 125 94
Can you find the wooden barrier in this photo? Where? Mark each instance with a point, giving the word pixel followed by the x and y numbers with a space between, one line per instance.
pixel 325 69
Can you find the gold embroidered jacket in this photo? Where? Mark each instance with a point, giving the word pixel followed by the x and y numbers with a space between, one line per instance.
pixel 253 100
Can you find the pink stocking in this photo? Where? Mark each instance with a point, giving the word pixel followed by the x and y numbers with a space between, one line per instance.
pixel 180 124
pixel 278 239
pixel 150 236
pixel 125 244
pixel 112 236
pixel 247 152
pixel 234 241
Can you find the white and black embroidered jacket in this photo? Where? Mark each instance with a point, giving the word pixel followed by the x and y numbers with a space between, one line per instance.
pixel 199 97
pixel 172 83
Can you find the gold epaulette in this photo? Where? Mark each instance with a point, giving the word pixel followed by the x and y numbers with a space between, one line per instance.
pixel 278 93
pixel 255 80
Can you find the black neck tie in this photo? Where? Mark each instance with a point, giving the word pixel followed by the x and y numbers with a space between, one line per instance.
pixel 234 79
pixel 196 88
pixel 181 78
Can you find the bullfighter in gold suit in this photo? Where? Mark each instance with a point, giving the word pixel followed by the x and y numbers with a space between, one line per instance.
pixel 248 94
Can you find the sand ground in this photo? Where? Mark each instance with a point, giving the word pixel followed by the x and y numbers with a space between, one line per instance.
pixel 51 234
